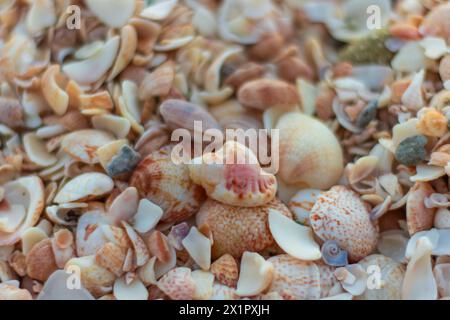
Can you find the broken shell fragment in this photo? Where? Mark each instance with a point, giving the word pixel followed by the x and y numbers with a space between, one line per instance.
pixel 36 151
pixel 113 13
pixel 55 288
pixel 302 203
pixel 124 206
pixel 160 10
pixel 56 97
pixel 255 276
pixel 204 282
pixel 225 270
pixel 147 216
pixel 178 284
pixel 233 176
pixel 340 215
pixel 140 249
pixel 85 187
pixel 11 292
pixel 40 261
pixel 418 216
pixel 293 238
pixel 199 248
pixel 129 291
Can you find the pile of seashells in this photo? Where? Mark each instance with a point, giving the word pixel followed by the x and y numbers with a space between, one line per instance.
pixel 91 91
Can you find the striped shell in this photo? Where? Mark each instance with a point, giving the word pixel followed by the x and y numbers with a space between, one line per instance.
pixel 295 279
pixel 226 270
pixel 392 274
pixel 167 185
pixel 238 229
pixel 340 215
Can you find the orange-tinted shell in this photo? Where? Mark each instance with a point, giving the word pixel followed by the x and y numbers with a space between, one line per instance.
pixel 226 270
pixel 167 185
pixel 238 229
pixel 418 216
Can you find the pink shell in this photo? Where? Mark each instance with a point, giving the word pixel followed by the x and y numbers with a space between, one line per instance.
pixel 339 214
pixel 178 284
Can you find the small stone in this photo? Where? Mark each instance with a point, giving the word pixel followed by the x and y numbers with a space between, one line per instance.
pixel 367 114
pixel 411 151
pixel 124 162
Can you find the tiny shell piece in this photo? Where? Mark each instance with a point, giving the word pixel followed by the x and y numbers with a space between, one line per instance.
pixel 204 282
pixel 226 270
pixel 255 276
pixel 199 248
pixel 340 215
pixel 147 216
pixel 129 291
pixel 85 187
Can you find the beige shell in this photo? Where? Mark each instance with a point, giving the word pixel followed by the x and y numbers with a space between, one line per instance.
pixel 40 261
pixel 168 185
pixel 310 155
pixel 114 13
pixel 178 284
pixel 295 279
pixel 11 292
pixel 339 214
pixel 233 176
pixel 392 274
pixel 238 229
pixel 226 270
pixel 418 216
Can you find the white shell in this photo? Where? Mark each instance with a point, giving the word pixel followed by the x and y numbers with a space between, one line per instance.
pixel 37 152
pixel 85 186
pixel 132 291
pixel 147 216
pixel 159 10
pixel 199 248
pixel 255 276
pixel 301 204
pixel 114 13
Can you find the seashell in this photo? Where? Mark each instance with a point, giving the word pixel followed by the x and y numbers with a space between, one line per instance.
pixel 240 182
pixel 108 151
pixel 178 284
pixel 173 44
pixel 159 246
pixel 412 98
pixel 255 276
pixel 167 184
pixel 177 234
pixel 244 73
pixel 11 217
pixel 113 13
pixel 97 101
pixel 199 248
pixel 225 270
pixel 432 123
pixel 426 173
pixel 91 70
pixel 182 114
pixel 362 168
pixel 131 291
pixel 306 145
pixel 441 274
pixel 55 288
pixel 222 292
pixel 353 278
pixel 332 255
pixel 419 282
pixel 85 187
pixel 444 66
pixel 204 281
pixel 435 23
pixel 62 214
pixel 293 238
pixel 159 82
pixel 442 218
pixel 147 216
pixel 434 47
pixel 83 144
pixel 17 263
pixel 147 272
pixel 262 94
pixel 295 279
pixel 340 215
pixel 238 229
pixel 140 249
pixel 404 130
pixel 36 151
pixel 418 216
pixel 62 246
pixel 11 292
pixel 96 279
pixel 329 284
pixel 301 204
pixel 41 15
pixel 111 257
pixel 410 58
pixel 31 237
pixel 40 261
pixel 438 238
pixel 124 206
pixel 160 10
pixel 56 97
pixel 213 73
pixel 392 244
pixel 119 126
pixel 27 192
pixel 11 112
pixel 128 47
pixel 129 105
pixel 391 274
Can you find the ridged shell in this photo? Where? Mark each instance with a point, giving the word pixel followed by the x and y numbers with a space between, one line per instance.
pixel 295 279
pixel 418 216
pixel 340 215
pixel 310 155
pixel 168 185
pixel 238 229
pixel 392 274
pixel 226 270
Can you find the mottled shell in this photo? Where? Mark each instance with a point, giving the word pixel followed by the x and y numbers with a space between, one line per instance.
pixel 310 154
pixel 295 279
pixel 238 229
pixel 40 261
pixel 418 216
pixel 167 185
pixel 340 215
pixel 178 284
pixel 392 274
pixel 225 270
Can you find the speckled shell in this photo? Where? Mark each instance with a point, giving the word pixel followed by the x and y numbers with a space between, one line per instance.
pixel 329 284
pixel 419 217
pixel 295 279
pixel 392 274
pixel 167 185
pixel 310 154
pixel 340 215
pixel 238 229
pixel 226 270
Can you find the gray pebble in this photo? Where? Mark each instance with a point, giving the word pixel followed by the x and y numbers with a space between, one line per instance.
pixel 367 114
pixel 124 162
pixel 411 151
